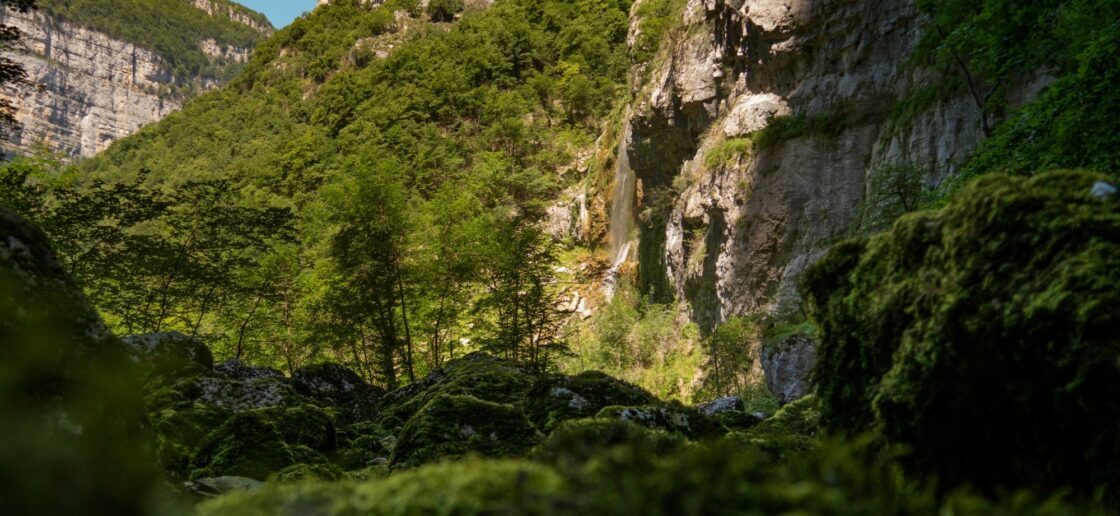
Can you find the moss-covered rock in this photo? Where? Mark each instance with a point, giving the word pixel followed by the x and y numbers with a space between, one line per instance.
pixel 575 442
pixel 468 487
pixel 555 399
pixel 685 421
pixel 478 375
pixel 983 335
pixel 794 429
pixel 248 444
pixel 179 431
pixel 452 426
pixel 306 425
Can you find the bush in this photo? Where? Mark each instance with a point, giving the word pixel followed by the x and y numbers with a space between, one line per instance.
pixel 982 336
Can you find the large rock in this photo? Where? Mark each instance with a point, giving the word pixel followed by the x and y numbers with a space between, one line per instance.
pixel 237 370
pixel 71 436
pixel 788 365
pixel 982 336
pixel 170 355
pixel 335 385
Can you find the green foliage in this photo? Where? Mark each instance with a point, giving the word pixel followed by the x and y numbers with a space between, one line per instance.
pixel 656 19
pixel 444 10
pixel 991 47
pixel 719 478
pixel 173 29
pixel 640 342
pixel 446 149
pixel 893 191
pixel 730 350
pixel 728 152
pixel 782 129
pixel 960 328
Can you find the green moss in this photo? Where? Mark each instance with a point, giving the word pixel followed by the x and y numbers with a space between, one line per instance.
pixel 478 375
pixel 306 425
pixel 670 418
pixel 178 433
pixel 555 399
pixel 982 335
pixel 246 445
pixel 451 426
pixel 469 487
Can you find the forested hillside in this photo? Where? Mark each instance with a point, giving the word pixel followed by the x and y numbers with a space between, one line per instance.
pixel 586 257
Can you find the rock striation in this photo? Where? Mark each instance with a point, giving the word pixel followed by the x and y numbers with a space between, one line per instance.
pixel 85 89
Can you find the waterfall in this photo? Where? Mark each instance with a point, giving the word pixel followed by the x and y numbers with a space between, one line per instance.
pixel 622 213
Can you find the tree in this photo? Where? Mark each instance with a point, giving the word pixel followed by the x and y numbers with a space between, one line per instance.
pixel 444 10
pixel 369 250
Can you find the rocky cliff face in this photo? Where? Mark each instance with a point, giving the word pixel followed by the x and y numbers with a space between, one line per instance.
pixel 86 90
pixel 729 227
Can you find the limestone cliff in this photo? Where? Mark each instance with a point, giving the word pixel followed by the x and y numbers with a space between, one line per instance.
pixel 86 89
pixel 729 227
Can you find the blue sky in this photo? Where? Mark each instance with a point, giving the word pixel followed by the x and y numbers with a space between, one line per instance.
pixel 280 12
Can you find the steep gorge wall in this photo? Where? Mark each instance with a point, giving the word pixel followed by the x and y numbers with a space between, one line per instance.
pixel 736 230
pixel 86 90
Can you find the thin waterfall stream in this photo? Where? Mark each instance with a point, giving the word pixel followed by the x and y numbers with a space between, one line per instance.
pixel 621 223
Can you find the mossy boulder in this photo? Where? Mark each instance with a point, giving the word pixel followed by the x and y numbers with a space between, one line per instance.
pixel 478 375
pixel 248 444
pixel 452 426
pixel 794 429
pixel 237 370
pixel 555 399
pixel 983 336
pixel 179 431
pixel 575 442
pixel 339 387
pixel 677 419
pixel 306 425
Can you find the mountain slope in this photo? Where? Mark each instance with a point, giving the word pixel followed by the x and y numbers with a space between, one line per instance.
pixel 100 69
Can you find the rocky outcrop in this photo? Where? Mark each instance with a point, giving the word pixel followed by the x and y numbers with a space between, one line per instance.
pixel 744 221
pixel 85 89
pixel 788 365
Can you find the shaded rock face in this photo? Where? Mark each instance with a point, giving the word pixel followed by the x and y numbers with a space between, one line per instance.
pixel 764 216
pixel 788 366
pixel 87 90
pixel 170 354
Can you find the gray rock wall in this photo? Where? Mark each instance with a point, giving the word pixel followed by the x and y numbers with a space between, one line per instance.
pixel 86 90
